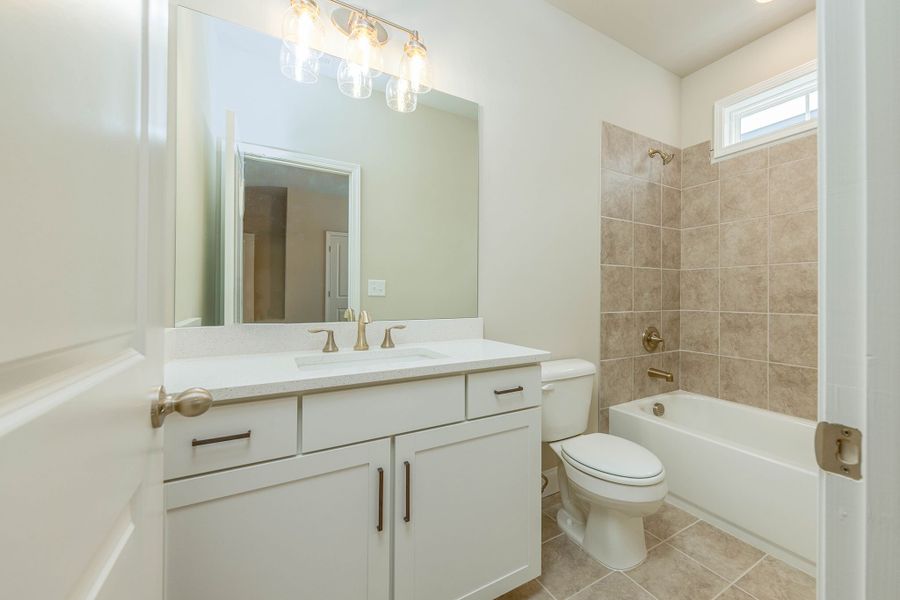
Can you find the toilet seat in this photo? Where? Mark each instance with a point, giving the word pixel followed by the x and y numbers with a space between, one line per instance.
pixel 613 459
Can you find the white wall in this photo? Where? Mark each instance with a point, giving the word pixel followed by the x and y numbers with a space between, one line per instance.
pixel 783 49
pixel 545 83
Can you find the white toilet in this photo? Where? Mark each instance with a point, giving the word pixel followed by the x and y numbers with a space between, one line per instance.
pixel 607 484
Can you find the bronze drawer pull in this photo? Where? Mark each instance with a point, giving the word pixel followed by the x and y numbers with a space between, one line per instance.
pixel 518 388
pixel 406 514
pixel 224 438
pixel 380 526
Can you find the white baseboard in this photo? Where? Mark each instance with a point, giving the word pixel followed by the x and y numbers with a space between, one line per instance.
pixel 552 482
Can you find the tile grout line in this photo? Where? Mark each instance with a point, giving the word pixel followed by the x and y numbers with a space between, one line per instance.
pixel 569 597
pixel 728 583
pixel 629 578
pixel 664 540
pixel 543 587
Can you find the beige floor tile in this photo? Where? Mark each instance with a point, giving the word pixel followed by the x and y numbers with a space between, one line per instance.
pixel 530 591
pixel 774 580
pixel 613 587
pixel 670 575
pixel 549 528
pixel 716 550
pixel 668 521
pixel 734 593
pixel 651 540
pixel 566 568
pixel 550 501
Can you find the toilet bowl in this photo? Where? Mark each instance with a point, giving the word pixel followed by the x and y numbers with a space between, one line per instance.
pixel 607 484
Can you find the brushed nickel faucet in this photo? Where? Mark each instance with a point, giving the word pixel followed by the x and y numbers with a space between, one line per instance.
pixel 330 346
pixel 361 342
pixel 388 341
pixel 660 374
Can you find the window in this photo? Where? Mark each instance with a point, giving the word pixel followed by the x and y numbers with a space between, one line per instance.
pixel 781 107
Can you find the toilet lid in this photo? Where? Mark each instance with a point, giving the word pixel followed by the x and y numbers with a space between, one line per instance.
pixel 613 458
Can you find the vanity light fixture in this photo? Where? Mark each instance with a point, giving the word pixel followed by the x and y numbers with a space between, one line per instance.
pixel 303 37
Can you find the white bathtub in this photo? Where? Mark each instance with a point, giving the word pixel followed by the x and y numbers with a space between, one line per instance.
pixel 749 471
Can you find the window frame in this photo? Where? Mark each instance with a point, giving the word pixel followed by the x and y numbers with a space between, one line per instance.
pixel 727 112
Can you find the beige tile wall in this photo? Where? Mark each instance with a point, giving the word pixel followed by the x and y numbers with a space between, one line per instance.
pixel 640 258
pixel 721 258
pixel 749 276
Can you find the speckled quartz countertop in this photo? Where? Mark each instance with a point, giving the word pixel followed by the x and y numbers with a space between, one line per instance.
pixel 285 373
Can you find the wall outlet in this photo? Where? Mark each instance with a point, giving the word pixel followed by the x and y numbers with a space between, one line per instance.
pixel 376 287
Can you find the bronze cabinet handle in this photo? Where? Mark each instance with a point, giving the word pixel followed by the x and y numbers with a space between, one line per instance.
pixel 407 514
pixel 518 388
pixel 225 438
pixel 380 526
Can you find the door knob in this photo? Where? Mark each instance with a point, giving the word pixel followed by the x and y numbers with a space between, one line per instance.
pixel 192 402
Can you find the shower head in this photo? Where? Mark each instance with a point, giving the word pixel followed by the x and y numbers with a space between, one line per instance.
pixel 665 156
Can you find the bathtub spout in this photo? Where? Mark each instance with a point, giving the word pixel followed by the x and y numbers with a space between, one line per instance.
pixel 660 374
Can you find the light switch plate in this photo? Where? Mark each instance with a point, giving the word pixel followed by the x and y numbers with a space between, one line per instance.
pixel 376 287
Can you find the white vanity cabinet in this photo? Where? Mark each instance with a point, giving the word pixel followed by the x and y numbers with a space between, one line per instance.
pixel 441 506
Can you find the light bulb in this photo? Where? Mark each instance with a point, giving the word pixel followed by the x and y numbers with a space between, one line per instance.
pixel 363 48
pixel 399 95
pixel 353 81
pixel 303 36
pixel 414 65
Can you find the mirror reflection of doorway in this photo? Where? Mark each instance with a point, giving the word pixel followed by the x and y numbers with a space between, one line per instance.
pixel 293 216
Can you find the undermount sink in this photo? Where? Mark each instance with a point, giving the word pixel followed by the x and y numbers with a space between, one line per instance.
pixel 389 358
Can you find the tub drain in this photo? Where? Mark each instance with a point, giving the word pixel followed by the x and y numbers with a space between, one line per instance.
pixel 659 409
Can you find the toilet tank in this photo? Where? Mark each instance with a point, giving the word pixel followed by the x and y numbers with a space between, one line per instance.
pixel 566 403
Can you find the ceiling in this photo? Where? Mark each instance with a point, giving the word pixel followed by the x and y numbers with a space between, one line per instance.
pixel 684 35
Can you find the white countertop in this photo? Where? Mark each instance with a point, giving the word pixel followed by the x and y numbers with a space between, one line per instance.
pixel 249 375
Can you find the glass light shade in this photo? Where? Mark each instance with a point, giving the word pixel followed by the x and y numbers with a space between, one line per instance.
pixel 302 28
pixel 363 49
pixel 399 95
pixel 298 65
pixel 353 80
pixel 414 66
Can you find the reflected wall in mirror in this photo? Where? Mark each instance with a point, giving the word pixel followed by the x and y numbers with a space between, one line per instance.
pixel 295 202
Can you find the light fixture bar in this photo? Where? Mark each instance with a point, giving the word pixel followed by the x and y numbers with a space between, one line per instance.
pixel 363 11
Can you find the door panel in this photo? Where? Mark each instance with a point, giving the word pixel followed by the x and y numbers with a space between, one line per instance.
pixel 301 527
pixel 81 315
pixel 474 508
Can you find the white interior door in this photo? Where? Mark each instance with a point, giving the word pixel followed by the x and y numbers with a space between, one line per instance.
pixel 860 293
pixel 82 171
pixel 337 291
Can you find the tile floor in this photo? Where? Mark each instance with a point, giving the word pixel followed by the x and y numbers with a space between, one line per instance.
pixel 688 559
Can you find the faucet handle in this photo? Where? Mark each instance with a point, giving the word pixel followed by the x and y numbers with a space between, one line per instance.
pixel 651 339
pixel 330 346
pixel 349 315
pixel 388 341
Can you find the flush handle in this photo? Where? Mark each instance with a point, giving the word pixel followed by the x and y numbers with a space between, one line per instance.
pixel 839 449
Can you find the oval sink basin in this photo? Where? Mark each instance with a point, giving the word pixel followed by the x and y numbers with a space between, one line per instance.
pixel 389 358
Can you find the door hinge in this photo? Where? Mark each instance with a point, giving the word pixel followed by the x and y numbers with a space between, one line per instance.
pixel 839 449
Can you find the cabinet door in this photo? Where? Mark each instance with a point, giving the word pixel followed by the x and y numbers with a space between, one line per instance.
pixel 305 527
pixel 467 508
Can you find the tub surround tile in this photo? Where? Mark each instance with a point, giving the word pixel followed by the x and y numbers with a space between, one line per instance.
pixel 772 579
pixel 744 163
pixel 616 195
pixel 744 381
pixel 793 149
pixel 671 173
pixel 700 247
pixel 744 196
pixel 743 335
pixel 670 210
pixel 700 331
pixel 792 186
pixel 647 239
pixel 700 373
pixel 616 288
pixel 603 425
pixel 647 202
pixel 716 550
pixel 668 521
pixel 616 381
pixel 643 166
pixel 614 587
pixel 566 569
pixel 793 238
pixel 616 242
pixel 647 289
pixel 616 331
pixel 671 289
pixel 793 391
pixel 670 246
pixel 671 329
pixel 700 205
pixel 696 167
pixel 744 289
pixel 793 339
pixel 700 289
pixel 743 243
pixel 616 148
pixel 644 385
pixel 670 575
pixel 794 288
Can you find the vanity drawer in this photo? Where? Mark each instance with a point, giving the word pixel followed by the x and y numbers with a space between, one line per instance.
pixel 344 417
pixel 230 436
pixel 494 392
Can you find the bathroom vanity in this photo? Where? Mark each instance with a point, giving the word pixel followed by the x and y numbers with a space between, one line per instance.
pixel 405 473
